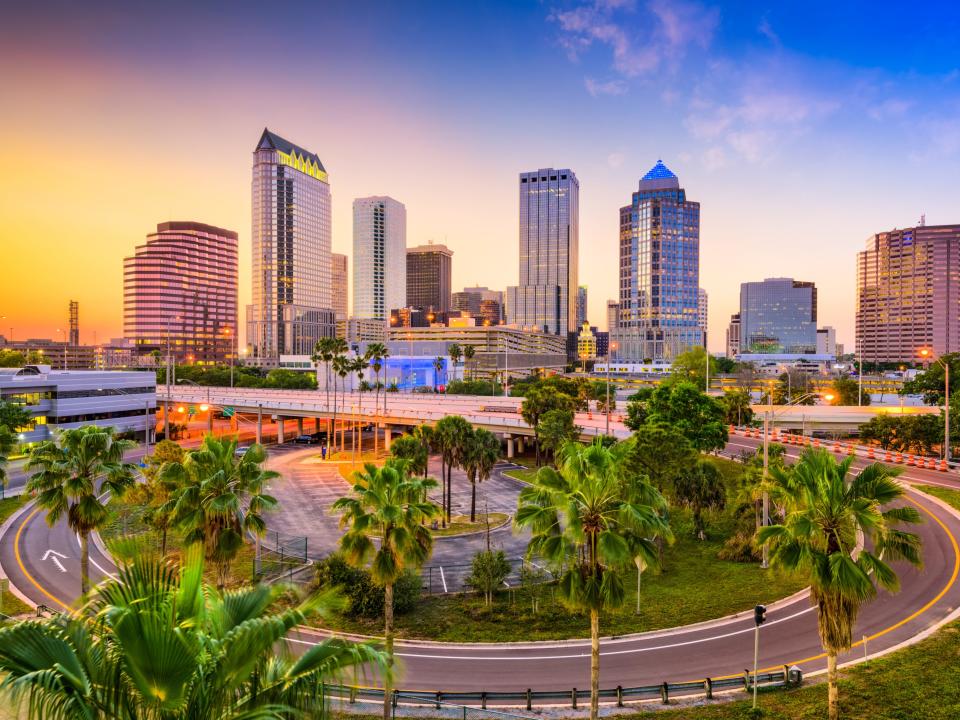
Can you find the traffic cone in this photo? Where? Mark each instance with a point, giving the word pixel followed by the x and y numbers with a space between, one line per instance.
pixel 852 449
pixel 816 443
pixel 870 454
pixel 899 458
pixel 943 466
pixel 836 447
pixel 910 460
pixel 888 457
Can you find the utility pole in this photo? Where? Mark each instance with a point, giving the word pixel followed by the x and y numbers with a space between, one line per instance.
pixel 766 495
pixel 946 415
pixel 759 617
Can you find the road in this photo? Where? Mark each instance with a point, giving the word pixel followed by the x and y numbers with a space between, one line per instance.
pixel 723 647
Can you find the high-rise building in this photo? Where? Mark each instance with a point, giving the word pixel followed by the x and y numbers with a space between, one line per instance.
pixel 827 341
pixel 545 298
pixel 613 313
pixel 292 305
pixel 581 305
pixel 429 283
pixel 908 294
pixel 703 306
pixel 733 336
pixel 481 302
pixel 379 257
pixel 659 271
pixel 339 272
pixel 778 315
pixel 74 323
pixel 180 291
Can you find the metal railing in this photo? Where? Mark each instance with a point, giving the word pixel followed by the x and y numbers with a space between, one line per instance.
pixel 440 579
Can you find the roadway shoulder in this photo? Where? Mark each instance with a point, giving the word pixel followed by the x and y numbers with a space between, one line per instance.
pixel 4 531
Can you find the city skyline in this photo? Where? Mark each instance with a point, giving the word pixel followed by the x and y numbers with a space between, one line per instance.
pixel 767 109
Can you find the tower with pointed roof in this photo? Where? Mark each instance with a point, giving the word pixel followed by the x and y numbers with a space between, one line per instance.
pixel 658 313
pixel 292 303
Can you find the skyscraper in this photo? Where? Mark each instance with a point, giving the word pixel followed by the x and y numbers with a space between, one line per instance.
pixel 545 299
pixel 379 257
pixel 659 270
pixel 481 302
pixel 429 284
pixel 778 315
pixel 581 305
pixel 338 284
pixel 908 294
pixel 703 307
pixel 292 304
pixel 733 336
pixel 180 291
pixel 613 314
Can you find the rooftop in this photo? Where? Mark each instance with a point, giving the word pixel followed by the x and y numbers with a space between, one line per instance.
pixel 659 172
pixel 659 177
pixel 273 141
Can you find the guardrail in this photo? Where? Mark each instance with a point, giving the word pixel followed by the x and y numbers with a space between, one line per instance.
pixel 529 699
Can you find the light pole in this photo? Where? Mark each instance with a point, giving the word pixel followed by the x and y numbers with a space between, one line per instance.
pixel 612 346
pixel 925 353
pixel 207 408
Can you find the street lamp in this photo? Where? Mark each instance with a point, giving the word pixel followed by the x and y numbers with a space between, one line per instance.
pixel 204 407
pixel 926 354
pixel 767 416
pixel 611 346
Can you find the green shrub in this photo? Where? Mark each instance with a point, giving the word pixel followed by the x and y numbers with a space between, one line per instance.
pixel 364 598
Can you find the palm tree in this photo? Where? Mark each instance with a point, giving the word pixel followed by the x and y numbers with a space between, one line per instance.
pixel 700 488
pixel 825 514
pixel 451 435
pixel 468 352
pixel 425 435
pixel 389 504
pixel 8 441
pixel 481 453
pixel 157 643
pixel 408 448
pixel 74 471
pixel 377 354
pixel 455 352
pixel 591 522
pixel 341 368
pixel 359 365
pixel 438 368
pixel 219 497
pixel 323 353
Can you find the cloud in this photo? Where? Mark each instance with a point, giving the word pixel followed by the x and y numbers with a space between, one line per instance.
pixel 890 109
pixel 766 29
pixel 615 159
pixel 609 87
pixel 714 158
pixel 640 40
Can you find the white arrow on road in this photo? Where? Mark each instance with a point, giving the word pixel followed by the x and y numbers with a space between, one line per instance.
pixel 55 556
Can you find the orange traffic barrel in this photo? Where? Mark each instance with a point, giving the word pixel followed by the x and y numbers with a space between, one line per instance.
pixel 943 466
pixel 899 458
pixel 910 460
pixel 836 447
pixel 888 457
pixel 870 453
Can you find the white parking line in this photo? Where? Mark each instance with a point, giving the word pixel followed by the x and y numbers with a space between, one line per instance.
pixel 442 578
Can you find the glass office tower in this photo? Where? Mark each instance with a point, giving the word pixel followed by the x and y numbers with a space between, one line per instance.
pixel 379 257
pixel 778 315
pixel 292 304
pixel 658 313
pixel 546 298
pixel 429 277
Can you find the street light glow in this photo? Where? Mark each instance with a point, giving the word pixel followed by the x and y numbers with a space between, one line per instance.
pixel 204 407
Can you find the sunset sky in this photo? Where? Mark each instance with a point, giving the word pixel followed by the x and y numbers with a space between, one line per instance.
pixel 801 128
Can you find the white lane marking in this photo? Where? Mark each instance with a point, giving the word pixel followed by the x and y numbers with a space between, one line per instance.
pixel 443 579
pixel 526 658
pixel 55 556
pixel 97 565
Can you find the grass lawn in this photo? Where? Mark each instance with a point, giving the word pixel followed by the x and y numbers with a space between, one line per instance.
pixel 8 506
pixel 11 604
pixel 946 494
pixel 460 524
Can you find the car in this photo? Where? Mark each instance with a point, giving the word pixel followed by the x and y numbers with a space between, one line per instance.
pixel 306 440
pixel 241 450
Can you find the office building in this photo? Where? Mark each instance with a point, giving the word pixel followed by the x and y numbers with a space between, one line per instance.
pixel 702 313
pixel 429 270
pixel 907 294
pixel 64 399
pixel 733 336
pixel 491 312
pixel 180 293
pixel 658 314
pixel 827 341
pixel 779 316
pixel 586 344
pixel 360 330
pixel 339 284
pixel 379 257
pixel 545 298
pixel 582 306
pixel 292 306
pixel 481 302
pixel 613 313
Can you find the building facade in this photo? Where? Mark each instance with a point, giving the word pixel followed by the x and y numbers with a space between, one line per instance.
pixel 733 336
pixel 339 284
pixel 481 302
pixel 703 307
pixel 778 315
pixel 74 322
pixel 379 257
pixel 545 298
pixel 582 306
pixel 586 343
pixel 658 312
pixel 908 294
pixel 429 284
pixel 292 305
pixel 827 341
pixel 180 293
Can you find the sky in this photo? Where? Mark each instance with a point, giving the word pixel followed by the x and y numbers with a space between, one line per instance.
pixel 801 128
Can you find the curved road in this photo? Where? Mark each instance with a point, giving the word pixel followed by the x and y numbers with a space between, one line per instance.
pixel 724 647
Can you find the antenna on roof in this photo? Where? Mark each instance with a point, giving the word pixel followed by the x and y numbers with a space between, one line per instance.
pixel 923 220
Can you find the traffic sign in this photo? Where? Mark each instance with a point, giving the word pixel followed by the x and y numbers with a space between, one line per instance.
pixel 228 412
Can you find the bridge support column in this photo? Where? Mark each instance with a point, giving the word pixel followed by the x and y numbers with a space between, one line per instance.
pixel 259 424
pixel 280 429
pixel 299 426
pixel 386 438
pixel 509 445
pixel 316 424
pixel 210 421
pixel 520 444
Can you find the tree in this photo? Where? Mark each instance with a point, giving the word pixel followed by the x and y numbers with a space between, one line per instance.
pixel 12 359
pixel 691 366
pixel 359 365
pixel 154 494
pixel 538 401
pixel 8 441
pixel 438 364
pixel 826 513
pixel 930 382
pixel 697 416
pixel 726 365
pixel 488 570
pixel 323 353
pixel 700 488
pixel 341 369
pixel 425 435
pixel 591 521
pixel 793 387
pixel 737 408
pixel 455 352
pixel 77 472
pixel 846 391
pixel 555 429
pixel 480 455
pixel 410 449
pixel 469 351
pixel 451 436
pixel 218 497
pixel 390 504
pixel 157 643
pixel 661 453
pixel 283 379
pixel 637 408
pixel 377 354
pixel 14 417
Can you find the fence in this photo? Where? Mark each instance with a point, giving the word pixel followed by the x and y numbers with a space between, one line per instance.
pixel 281 556
pixel 467 702
pixel 440 579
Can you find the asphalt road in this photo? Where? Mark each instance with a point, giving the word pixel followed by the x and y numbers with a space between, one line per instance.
pixel 724 647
